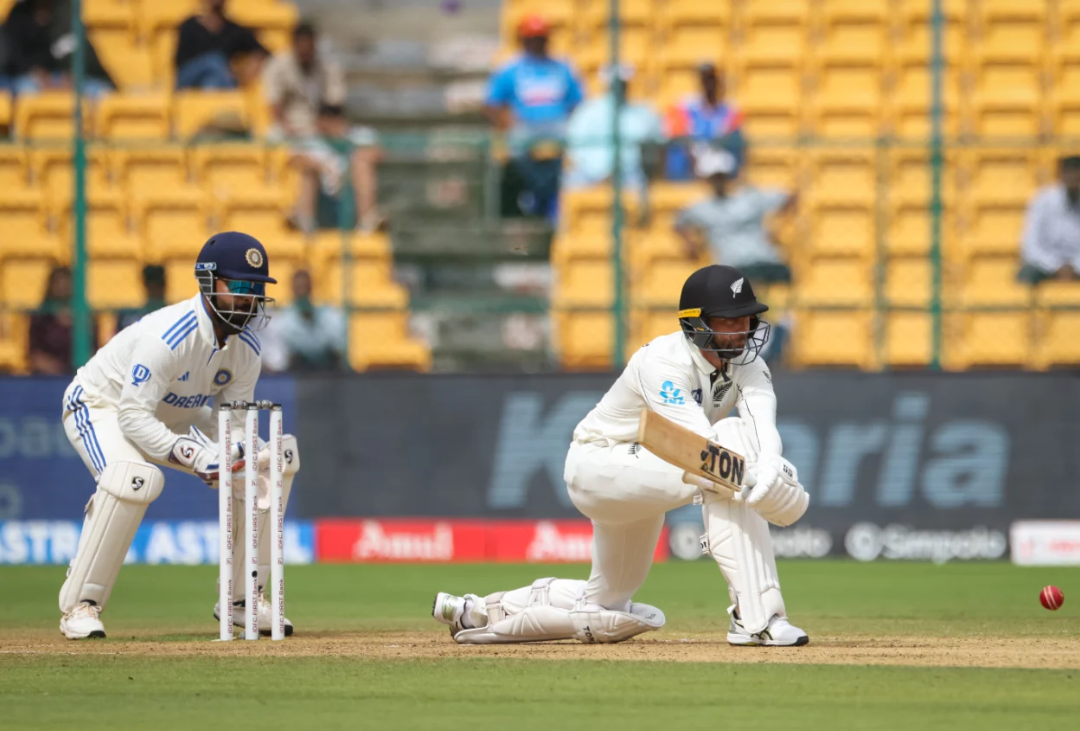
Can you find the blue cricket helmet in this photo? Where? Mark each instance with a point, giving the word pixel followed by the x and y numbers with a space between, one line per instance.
pixel 235 255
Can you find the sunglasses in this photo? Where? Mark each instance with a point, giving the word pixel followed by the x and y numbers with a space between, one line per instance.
pixel 241 286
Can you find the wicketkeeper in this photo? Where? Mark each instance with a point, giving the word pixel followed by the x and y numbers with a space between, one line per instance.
pixel 695 377
pixel 143 402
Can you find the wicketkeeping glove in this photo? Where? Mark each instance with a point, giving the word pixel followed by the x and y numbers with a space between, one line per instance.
pixel 202 460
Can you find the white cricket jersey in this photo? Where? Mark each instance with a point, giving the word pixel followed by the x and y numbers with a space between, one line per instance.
pixel 161 373
pixel 671 377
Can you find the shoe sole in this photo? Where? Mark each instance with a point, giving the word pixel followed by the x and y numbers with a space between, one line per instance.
pixel 436 608
pixel 98 634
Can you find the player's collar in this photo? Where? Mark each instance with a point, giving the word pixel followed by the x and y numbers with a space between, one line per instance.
pixel 699 360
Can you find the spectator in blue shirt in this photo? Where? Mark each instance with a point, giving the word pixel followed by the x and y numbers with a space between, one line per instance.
pixel 707 119
pixel 531 98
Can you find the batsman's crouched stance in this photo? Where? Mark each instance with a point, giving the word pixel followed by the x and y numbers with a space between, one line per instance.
pixel 695 378
pixel 141 403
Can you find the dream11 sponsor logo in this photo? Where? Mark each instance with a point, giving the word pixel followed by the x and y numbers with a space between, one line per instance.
pixel 868 542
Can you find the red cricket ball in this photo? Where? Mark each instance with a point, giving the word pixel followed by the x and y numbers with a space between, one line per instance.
pixel 1051 598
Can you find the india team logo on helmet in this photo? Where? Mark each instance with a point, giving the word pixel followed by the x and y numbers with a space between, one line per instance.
pixel 254 258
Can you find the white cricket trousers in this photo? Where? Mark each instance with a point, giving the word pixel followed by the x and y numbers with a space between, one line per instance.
pixel 95 432
pixel 625 491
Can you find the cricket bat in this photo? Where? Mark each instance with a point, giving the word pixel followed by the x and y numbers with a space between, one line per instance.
pixel 697 455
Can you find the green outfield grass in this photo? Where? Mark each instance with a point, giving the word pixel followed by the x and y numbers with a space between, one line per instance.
pixel 185 681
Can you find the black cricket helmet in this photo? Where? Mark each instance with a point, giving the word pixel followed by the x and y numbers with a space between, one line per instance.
pixel 722 291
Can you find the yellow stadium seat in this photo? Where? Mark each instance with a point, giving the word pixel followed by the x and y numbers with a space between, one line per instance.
pixel 173 224
pixel 230 169
pixel 48 115
pixel 991 228
pixel 1064 96
pixel 910 103
pixel 909 228
pixel 915 26
pixel 588 245
pixel 381 340
pixel 687 45
pixel 108 231
pixel 260 215
pixel 22 281
pixel 584 283
pixel 647 325
pixel 908 339
pixel 770 93
pixel 327 245
pixel 774 167
pixel 164 17
pixel 133 117
pixel 661 283
pixel 13 167
pixel 1006 99
pixel 1005 175
pixel 774 31
pixel 847 101
pixel 1012 28
pixel 114 283
pixel 118 14
pixel 14 332
pixel 584 340
pixel 908 282
pixel 987 339
pixel 180 282
pixel 281 246
pixel 282 269
pixel 842 228
pixel 23 223
pixel 371 285
pixel 5 110
pixel 659 243
pixel 274 21
pixel 152 168
pixel 855 30
pixel 128 62
pixel 909 176
pixel 1058 324
pixel 590 209
pixel 560 14
pixel 636 48
pixel 51 169
pixel 162 48
pixel 194 110
pixel 834 282
pixel 832 338
pixel 991 282
pixel 843 175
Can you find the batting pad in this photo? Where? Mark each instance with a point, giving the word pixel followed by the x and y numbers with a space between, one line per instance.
pixel 114 513
pixel 737 537
pixel 536 613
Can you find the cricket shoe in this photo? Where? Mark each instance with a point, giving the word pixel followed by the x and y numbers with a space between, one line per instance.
pixel 459 612
pixel 779 633
pixel 82 622
pixel 266 616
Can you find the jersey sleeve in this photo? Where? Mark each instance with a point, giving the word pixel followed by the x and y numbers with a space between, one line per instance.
pixel 152 368
pixel 501 87
pixel 667 389
pixel 757 405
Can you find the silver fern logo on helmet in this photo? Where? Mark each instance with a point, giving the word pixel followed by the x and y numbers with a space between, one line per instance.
pixel 737 287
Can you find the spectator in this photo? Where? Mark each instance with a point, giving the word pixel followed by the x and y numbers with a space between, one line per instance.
pixel 708 119
pixel 303 336
pixel 733 221
pixel 207 45
pixel 1051 246
pixel 532 98
pixel 154 283
pixel 40 49
pixel 590 147
pixel 306 92
pixel 51 327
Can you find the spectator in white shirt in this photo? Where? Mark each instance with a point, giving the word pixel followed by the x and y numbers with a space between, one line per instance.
pixel 1051 245
pixel 304 336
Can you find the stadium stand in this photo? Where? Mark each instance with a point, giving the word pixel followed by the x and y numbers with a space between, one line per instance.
pixel 154 193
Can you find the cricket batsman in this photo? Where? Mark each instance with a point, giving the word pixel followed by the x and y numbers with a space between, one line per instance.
pixel 142 402
pixel 695 377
